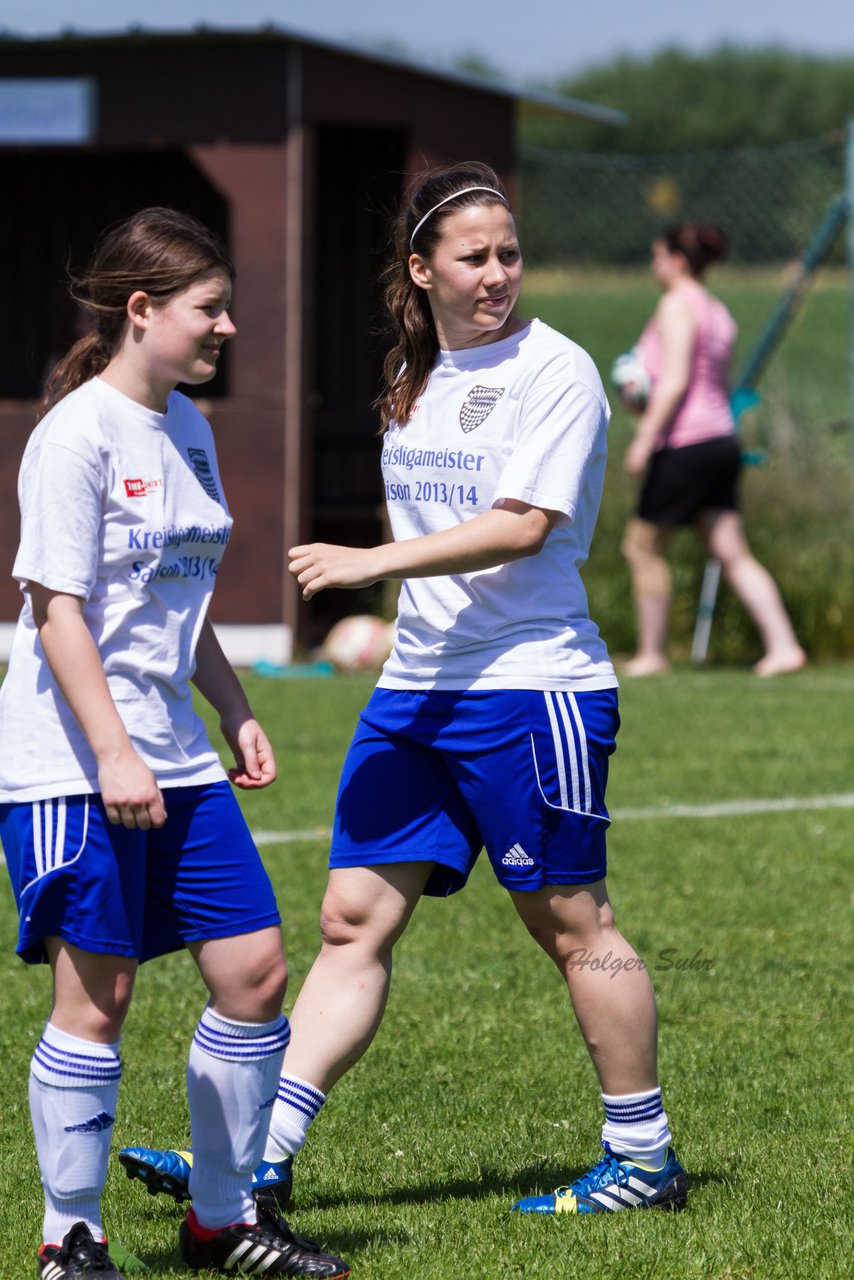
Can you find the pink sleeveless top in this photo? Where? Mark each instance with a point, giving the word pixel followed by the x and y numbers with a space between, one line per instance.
pixel 704 413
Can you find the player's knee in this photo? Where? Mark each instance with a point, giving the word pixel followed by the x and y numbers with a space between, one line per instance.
pixel 641 542
pixel 103 1017
pixel 628 546
pixel 633 544
pixel 345 923
pixel 256 992
pixel 580 922
pixel 341 923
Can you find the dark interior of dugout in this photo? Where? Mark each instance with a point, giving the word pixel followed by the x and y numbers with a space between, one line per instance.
pixel 359 177
pixel 62 202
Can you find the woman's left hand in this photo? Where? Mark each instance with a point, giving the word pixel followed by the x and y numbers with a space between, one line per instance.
pixel 254 761
pixel 320 565
pixel 637 457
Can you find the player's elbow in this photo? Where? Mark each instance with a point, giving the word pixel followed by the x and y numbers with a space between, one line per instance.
pixel 525 545
pixel 523 530
pixel 533 532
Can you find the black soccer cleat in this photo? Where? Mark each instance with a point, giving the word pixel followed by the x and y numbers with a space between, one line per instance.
pixel 79 1257
pixel 267 1247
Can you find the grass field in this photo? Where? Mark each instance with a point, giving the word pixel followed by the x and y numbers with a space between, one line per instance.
pixel 809 370
pixel 478 1087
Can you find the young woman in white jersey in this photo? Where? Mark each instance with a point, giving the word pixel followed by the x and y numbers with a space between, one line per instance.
pixel 122 835
pixel 496 713
pixel 686 448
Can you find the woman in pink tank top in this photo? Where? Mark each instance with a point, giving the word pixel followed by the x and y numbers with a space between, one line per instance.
pixel 686 448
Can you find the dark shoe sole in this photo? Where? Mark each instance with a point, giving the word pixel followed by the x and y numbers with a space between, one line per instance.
pixel 155 1182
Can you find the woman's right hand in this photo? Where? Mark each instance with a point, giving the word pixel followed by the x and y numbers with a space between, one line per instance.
pixel 130 792
pixel 319 565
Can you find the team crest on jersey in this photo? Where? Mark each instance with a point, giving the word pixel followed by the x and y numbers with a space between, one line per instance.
pixel 478 405
pixel 204 474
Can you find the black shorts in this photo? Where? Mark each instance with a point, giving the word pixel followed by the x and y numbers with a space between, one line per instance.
pixel 682 483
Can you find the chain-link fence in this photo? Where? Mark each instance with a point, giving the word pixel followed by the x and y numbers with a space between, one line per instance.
pixel 602 211
pixel 587 225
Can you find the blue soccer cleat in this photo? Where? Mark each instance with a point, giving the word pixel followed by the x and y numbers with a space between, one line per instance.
pixel 273 1181
pixel 616 1183
pixel 161 1171
pixel 169 1172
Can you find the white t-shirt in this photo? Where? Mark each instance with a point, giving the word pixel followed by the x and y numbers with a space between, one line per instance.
pixel 124 508
pixel 523 418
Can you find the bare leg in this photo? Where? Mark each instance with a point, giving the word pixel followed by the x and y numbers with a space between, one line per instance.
pixel 91 992
pixel 644 546
pixel 609 987
pixel 343 999
pixel 723 534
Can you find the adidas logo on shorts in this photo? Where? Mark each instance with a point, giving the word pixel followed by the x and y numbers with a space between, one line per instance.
pixel 516 857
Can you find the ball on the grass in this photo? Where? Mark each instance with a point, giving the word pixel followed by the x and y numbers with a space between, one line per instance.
pixel 630 377
pixel 359 643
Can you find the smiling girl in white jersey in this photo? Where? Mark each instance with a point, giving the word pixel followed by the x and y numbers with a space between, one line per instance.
pixel 122 836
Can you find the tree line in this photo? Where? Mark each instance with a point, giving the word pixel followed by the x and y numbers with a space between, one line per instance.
pixel 680 101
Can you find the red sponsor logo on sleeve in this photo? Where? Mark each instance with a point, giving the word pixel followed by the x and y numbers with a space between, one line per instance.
pixel 139 488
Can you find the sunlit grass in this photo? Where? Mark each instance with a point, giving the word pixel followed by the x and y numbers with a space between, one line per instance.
pixel 478 1086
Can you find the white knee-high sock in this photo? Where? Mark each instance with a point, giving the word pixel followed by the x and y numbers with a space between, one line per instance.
pixel 232 1075
pixel 297 1105
pixel 74 1087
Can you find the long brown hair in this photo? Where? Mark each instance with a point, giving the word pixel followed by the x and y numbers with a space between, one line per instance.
pixel 161 251
pixel 407 365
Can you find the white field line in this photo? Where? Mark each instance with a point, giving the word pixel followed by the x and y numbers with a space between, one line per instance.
pixel 723 809
pixel 735 808
pixel 291 837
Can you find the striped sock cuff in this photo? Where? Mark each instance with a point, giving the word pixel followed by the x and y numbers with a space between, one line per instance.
pixel 65 1061
pixel 241 1041
pixel 633 1108
pixel 636 1125
pixel 301 1097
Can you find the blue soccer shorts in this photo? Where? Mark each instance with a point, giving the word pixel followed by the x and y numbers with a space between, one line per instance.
pixel 435 776
pixel 122 891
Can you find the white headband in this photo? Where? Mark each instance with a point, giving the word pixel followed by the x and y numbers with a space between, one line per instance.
pixel 453 196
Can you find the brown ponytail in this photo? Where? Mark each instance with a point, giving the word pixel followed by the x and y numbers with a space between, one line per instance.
pixel 87 358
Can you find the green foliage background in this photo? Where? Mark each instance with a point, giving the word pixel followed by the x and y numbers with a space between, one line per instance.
pixel 680 101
